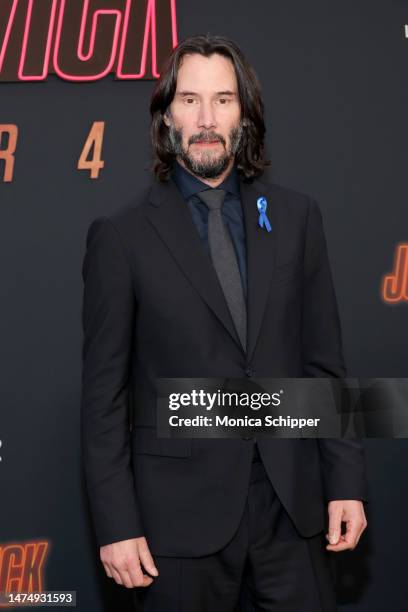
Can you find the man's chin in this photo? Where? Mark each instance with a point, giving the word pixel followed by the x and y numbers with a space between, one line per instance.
pixel 206 158
pixel 207 170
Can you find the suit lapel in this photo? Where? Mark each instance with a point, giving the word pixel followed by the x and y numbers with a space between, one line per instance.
pixel 260 249
pixel 172 220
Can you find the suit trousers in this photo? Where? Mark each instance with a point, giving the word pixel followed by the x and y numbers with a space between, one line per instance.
pixel 266 566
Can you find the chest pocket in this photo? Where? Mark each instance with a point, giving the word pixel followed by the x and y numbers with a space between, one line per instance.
pixel 286 272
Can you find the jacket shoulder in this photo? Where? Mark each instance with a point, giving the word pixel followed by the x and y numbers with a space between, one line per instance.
pixel 130 211
pixel 121 222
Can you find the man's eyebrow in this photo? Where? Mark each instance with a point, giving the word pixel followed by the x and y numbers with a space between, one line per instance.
pixel 226 93
pixel 218 93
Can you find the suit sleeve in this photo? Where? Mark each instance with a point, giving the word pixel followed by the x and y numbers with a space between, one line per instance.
pixel 108 311
pixel 342 460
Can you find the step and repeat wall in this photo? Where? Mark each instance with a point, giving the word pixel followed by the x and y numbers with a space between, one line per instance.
pixel 75 82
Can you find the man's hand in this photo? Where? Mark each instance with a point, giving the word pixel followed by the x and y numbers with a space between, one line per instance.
pixel 351 511
pixel 123 562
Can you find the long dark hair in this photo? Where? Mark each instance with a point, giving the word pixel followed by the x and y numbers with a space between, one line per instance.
pixel 249 158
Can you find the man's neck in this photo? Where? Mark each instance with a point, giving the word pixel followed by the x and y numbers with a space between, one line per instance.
pixel 211 182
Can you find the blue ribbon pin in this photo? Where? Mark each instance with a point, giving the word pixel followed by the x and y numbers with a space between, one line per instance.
pixel 262 205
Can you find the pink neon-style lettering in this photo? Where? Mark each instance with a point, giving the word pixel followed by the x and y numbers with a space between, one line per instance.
pixel 43 75
pixel 3 49
pixel 86 56
pixel 150 29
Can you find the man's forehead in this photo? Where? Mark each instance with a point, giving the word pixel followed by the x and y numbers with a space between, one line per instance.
pixel 215 68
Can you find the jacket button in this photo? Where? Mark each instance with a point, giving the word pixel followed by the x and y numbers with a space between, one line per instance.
pixel 247 438
pixel 249 372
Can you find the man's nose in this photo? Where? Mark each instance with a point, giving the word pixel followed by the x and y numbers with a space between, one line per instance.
pixel 206 117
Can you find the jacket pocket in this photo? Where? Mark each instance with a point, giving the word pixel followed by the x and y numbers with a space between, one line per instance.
pixel 146 442
pixel 287 272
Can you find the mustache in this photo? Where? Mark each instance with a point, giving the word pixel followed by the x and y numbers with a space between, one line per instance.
pixel 206 137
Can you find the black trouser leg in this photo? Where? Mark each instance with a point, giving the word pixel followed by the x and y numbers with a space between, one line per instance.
pixel 267 566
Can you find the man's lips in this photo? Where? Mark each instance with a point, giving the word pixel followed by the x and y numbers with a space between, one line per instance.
pixel 206 142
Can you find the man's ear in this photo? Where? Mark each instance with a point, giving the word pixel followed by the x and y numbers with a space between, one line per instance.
pixel 166 118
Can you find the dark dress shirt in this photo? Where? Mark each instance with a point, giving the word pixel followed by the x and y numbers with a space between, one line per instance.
pixel 231 211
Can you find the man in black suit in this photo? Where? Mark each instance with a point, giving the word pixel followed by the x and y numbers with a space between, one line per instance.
pixel 185 283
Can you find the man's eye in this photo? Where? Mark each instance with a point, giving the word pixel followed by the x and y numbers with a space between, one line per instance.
pixel 188 100
pixel 224 100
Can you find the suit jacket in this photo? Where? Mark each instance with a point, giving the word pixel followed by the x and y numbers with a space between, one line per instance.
pixel 153 307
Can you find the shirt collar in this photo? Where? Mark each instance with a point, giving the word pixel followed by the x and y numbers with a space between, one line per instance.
pixel 190 185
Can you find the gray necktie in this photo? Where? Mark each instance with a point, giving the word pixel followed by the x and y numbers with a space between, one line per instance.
pixel 224 260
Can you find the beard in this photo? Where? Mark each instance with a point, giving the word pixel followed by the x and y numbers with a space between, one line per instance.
pixel 208 165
